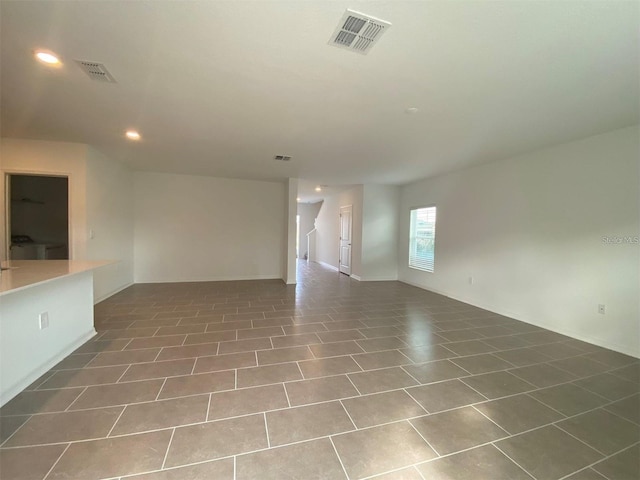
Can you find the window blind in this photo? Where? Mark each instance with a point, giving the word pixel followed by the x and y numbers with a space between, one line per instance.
pixel 422 237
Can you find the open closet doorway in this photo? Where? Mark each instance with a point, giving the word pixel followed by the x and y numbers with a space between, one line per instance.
pixel 37 217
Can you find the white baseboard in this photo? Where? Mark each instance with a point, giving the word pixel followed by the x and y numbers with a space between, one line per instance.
pixel 45 367
pixel 209 279
pixel 356 277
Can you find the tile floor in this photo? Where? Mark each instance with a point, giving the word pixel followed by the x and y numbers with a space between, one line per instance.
pixel 333 379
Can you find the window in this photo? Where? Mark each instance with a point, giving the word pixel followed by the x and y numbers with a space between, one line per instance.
pixel 422 237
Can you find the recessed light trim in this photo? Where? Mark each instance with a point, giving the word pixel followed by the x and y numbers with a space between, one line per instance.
pixel 318 188
pixel 47 57
pixel 132 135
pixel 298 199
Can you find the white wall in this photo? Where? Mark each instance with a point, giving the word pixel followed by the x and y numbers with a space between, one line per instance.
pixel 381 205
pixel 26 352
pixel 530 231
pixel 99 198
pixel 328 229
pixel 193 228
pixel 50 158
pixel 110 219
pixel 308 213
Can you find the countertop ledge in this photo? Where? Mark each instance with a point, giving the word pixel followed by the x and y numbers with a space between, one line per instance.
pixel 23 274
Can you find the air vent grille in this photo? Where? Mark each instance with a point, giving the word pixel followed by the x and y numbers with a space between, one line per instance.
pixel 282 158
pixel 96 71
pixel 358 32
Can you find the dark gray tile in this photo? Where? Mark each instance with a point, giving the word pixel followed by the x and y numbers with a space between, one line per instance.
pixel 30 463
pixel 519 413
pixel 225 362
pixel 381 449
pixel 84 377
pixel 580 366
pixel 481 463
pixel 543 375
pixel 471 347
pixel 314 460
pixel 568 399
pixel 521 357
pixel 208 441
pixel 199 383
pixel 335 349
pixel 374 381
pixel 281 355
pixel 456 430
pixel 306 423
pixel 608 386
pixel 40 401
pixel 562 453
pixel 622 466
pixel 376 409
pixel 498 384
pixel 65 427
pixel 254 376
pixel 247 400
pixel 436 397
pixel 328 366
pixel 147 371
pixel 484 363
pixel 96 459
pixel 389 358
pixel 162 414
pixel 602 430
pixel 435 371
pixel 217 469
pixel 320 390
pixel 8 425
pixel 427 353
pixel 117 394
pixel 628 408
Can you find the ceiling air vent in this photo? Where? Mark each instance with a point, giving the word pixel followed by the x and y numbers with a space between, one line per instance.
pixel 358 32
pixel 282 158
pixel 96 71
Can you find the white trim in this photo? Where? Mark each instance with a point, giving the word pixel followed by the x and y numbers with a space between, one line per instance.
pixel 499 311
pixel 381 279
pixel 328 265
pixel 356 277
pixel 45 367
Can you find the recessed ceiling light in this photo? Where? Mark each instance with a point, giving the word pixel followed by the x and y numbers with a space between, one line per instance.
pixel 411 110
pixel 47 57
pixel 318 188
pixel 132 135
pixel 298 199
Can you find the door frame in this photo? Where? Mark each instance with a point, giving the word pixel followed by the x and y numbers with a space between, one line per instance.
pixel 6 183
pixel 350 207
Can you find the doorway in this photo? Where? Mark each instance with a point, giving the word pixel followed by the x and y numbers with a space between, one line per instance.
pixel 37 217
pixel 345 239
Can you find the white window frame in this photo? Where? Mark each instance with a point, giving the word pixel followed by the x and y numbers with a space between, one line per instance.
pixel 422 262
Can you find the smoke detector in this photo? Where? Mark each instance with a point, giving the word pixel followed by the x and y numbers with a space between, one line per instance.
pixel 358 32
pixel 96 71
pixel 282 158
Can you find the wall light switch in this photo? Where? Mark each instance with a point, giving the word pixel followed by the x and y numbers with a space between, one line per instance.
pixel 44 320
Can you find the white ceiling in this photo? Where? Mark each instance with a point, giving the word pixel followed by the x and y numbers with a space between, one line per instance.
pixel 220 87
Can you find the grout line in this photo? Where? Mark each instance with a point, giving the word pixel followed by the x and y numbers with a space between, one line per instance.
pixel 166 454
pixel 266 428
pixel 56 462
pixel 206 418
pixel 124 373
pixel 422 437
pixel 348 414
pixel 116 422
pixel 516 463
pixel 160 391
pixel 76 399
pixel 339 459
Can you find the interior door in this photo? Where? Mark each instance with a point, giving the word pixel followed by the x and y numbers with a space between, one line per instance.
pixel 345 239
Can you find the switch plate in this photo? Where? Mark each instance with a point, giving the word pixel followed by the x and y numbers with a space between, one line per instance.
pixel 44 320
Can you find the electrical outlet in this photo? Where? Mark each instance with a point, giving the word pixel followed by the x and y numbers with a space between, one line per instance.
pixel 471 280
pixel 601 308
pixel 44 320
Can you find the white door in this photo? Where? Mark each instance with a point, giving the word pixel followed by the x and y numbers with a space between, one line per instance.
pixel 345 239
